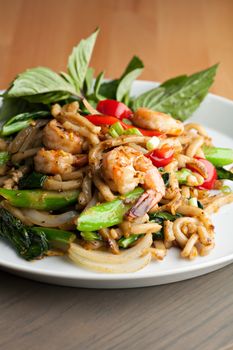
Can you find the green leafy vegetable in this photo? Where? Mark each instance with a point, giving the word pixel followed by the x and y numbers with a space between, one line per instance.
pixel 21 121
pixel 119 88
pixel 149 99
pixel 14 106
pixel 159 218
pixel 166 178
pixel 90 236
pixel 224 174
pixel 133 70
pixel 182 175
pixel 158 236
pixel 107 214
pixel 179 96
pixel 97 85
pixel 57 239
pixel 32 180
pixel 126 242
pixel 200 205
pixel 4 157
pixel 79 60
pixel 40 84
pixel 32 242
pixel 88 82
pixel 28 244
pixel 164 215
pixel 218 156
pixel 39 199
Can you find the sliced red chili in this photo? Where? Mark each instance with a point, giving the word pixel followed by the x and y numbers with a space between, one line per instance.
pixel 212 174
pixel 114 108
pixel 162 156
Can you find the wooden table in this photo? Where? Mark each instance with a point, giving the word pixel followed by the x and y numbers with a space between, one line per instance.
pixel 172 37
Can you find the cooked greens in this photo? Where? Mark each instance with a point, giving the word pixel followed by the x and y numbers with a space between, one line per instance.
pixel 32 242
pixel 28 244
pixel 21 121
pixel 4 157
pixel 224 174
pixel 159 218
pixel 32 180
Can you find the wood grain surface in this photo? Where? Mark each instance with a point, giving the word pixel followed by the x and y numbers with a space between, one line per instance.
pixel 172 37
pixel 195 314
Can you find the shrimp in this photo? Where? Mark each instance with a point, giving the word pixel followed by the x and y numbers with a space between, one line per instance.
pixel 54 161
pixel 57 138
pixel 164 123
pixel 124 168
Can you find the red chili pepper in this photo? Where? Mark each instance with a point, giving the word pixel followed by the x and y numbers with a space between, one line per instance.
pixel 98 119
pixel 162 156
pixel 114 108
pixel 212 175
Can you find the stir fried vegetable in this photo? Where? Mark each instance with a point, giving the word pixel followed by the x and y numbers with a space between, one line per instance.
pixel 21 121
pixel 107 214
pixel 114 108
pixel 32 242
pixel 4 158
pixel 218 156
pixel 38 199
pixel 32 180
pixel 224 174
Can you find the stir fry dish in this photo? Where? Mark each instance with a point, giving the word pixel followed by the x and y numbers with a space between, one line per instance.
pixel 108 179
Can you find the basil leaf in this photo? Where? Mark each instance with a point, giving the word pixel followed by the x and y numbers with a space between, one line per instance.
pixel 166 178
pixel 97 85
pixel 68 78
pixel 119 88
pixel 224 174
pixel 79 60
pixel 174 82
pixel 161 216
pixel 158 236
pixel 88 82
pixel 179 96
pixel 132 71
pixel 40 84
pixel 125 242
pixel 108 89
pixel 48 98
pixel 90 236
pixel 12 106
pixel 148 99
pixel 32 180
pixel 200 205
pixel 4 157
pixel 20 122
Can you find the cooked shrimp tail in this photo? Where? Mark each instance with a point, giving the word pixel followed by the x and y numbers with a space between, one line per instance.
pixel 144 203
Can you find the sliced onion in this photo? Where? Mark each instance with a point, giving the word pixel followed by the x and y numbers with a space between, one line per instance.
pixel 77 252
pixel 126 267
pixel 42 218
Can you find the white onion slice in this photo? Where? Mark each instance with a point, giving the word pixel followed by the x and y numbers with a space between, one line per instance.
pixel 42 218
pixel 108 258
pixel 126 267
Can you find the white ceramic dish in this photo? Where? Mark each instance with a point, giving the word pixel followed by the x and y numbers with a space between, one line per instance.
pixel 215 113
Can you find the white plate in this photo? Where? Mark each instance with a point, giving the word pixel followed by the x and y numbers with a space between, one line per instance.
pixel 216 113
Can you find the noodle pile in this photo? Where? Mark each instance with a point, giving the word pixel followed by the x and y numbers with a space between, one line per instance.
pixel 191 231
